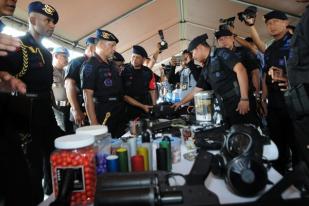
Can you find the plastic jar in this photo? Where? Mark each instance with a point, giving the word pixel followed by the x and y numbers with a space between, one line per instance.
pixel 102 144
pixel 75 153
pixel 204 106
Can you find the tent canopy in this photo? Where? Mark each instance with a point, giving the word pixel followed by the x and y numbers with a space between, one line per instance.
pixel 138 21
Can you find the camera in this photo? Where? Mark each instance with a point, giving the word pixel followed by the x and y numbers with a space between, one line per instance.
pixel 163 43
pixel 226 23
pixel 248 13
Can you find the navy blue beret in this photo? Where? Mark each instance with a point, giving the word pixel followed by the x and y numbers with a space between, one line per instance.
pixel 61 50
pixel 118 57
pixel 106 35
pixel 196 41
pixel 223 32
pixel 44 9
pixel 275 15
pixel 139 50
pixel 90 40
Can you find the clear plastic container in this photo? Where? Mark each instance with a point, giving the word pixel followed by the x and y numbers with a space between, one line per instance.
pixel 102 144
pixel 75 153
pixel 204 106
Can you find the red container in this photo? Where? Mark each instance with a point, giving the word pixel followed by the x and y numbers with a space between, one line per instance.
pixel 75 152
pixel 137 162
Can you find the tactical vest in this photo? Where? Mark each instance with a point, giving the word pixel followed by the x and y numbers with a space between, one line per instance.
pixel 133 87
pixel 298 64
pixel 108 82
pixel 222 79
pixel 297 97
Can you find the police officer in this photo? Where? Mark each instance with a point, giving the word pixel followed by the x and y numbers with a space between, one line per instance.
pixel 188 76
pixel 102 86
pixel 278 120
pixel 226 75
pixel 226 39
pixel 119 61
pixel 62 107
pixel 73 84
pixel 298 76
pixel 139 84
pixel 30 125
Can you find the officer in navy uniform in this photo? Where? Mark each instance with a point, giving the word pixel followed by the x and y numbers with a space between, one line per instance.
pixel 139 84
pixel 226 75
pixel 225 39
pixel 298 76
pixel 30 125
pixel 73 84
pixel 279 123
pixel 102 86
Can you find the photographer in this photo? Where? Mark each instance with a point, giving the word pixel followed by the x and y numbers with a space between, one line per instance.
pixel 188 76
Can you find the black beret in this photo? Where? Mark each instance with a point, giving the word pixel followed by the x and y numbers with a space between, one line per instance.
pixel 118 57
pixel 223 32
pixel 106 35
pixel 275 15
pixel 196 41
pixel 44 9
pixel 90 40
pixel 136 49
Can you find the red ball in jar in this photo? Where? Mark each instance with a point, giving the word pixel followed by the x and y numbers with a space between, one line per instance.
pixel 75 153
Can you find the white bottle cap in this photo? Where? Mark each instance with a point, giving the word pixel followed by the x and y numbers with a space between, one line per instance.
pixel 74 141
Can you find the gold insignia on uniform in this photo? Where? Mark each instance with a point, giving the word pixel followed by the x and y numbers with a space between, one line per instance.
pixel 106 35
pixel 48 9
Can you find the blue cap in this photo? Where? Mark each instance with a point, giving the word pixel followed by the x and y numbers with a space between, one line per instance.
pixel 106 35
pixel 118 57
pixel 61 50
pixel 44 9
pixel 275 15
pixel 223 32
pixel 136 49
pixel 196 41
pixel 90 40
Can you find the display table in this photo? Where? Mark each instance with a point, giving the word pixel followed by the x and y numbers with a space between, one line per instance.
pixel 218 185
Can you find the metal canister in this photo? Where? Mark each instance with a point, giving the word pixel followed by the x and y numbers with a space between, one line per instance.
pixel 204 106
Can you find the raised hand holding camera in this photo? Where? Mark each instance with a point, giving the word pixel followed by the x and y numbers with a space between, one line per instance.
pixel 248 15
pixel 163 43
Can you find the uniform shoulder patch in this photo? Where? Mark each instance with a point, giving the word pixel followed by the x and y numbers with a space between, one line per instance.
pixel 224 53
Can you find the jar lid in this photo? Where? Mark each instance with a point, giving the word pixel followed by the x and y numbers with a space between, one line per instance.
pixel 204 93
pixel 94 130
pixel 74 141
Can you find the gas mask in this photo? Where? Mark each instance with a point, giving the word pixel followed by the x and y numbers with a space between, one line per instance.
pixel 240 161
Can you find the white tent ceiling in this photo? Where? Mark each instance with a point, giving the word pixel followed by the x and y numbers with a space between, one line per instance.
pixel 138 21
